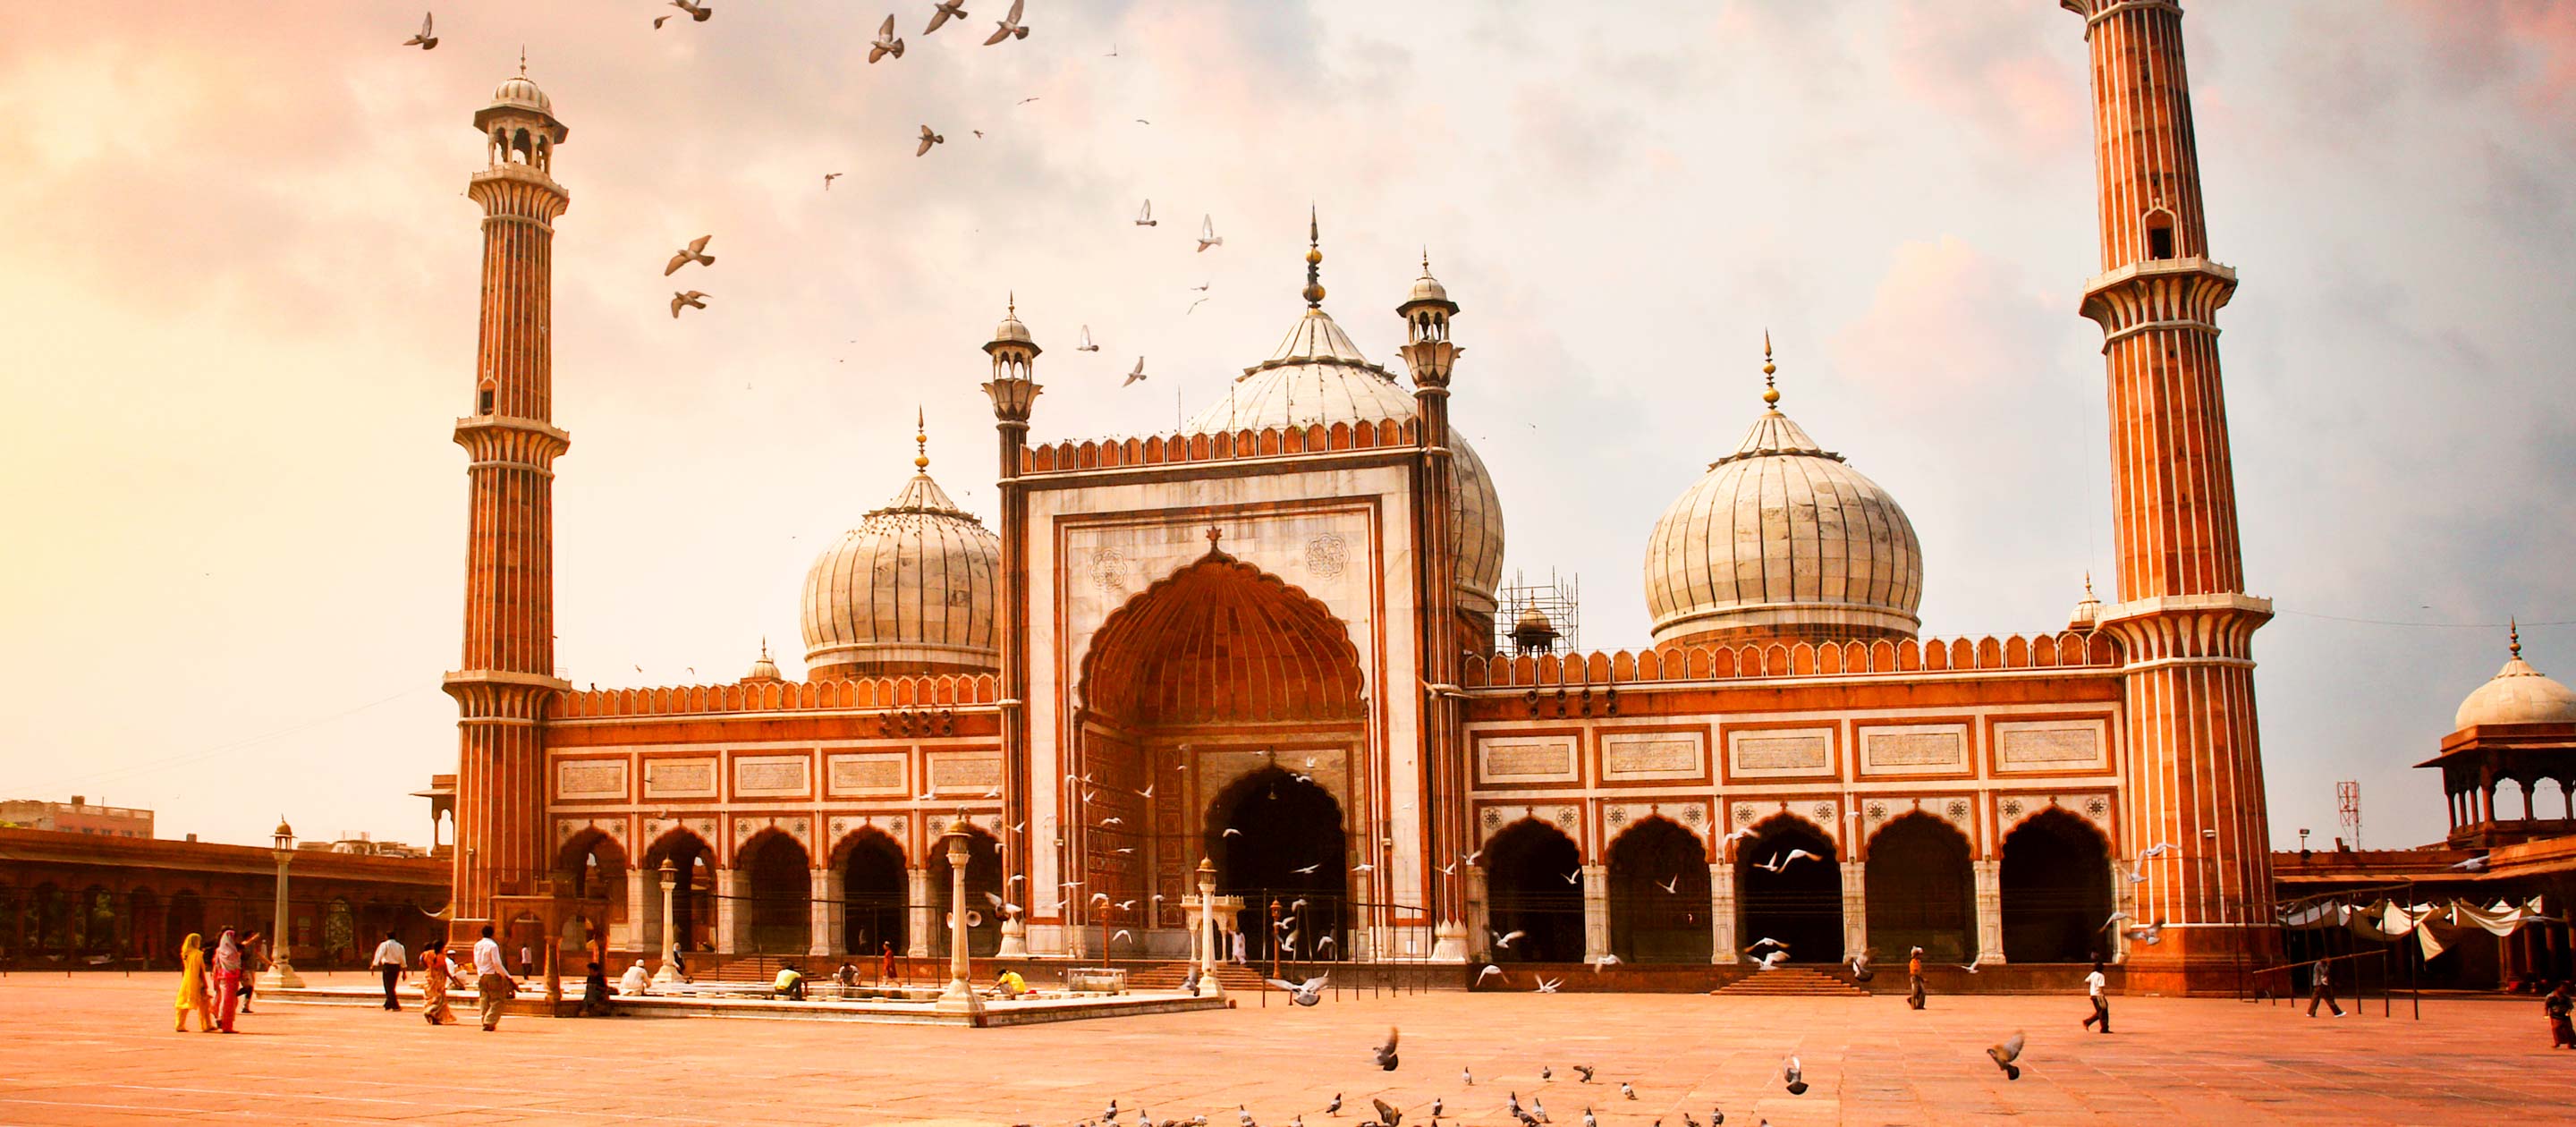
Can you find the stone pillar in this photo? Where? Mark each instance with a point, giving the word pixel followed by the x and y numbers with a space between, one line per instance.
pixel 666 878
pixel 643 928
pixel 917 904
pixel 1596 912
pixel 1990 909
pixel 828 916
pixel 1721 914
pixel 1208 986
pixel 1480 916
pixel 728 918
pixel 1855 909
pixel 960 996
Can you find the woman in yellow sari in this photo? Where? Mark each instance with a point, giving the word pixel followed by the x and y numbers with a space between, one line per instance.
pixel 192 984
pixel 433 986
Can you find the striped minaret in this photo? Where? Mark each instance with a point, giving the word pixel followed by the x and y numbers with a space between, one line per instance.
pixel 508 674
pixel 2183 620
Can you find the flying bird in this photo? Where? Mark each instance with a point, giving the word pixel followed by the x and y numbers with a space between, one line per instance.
pixel 828 177
pixel 690 300
pixel 1305 993
pixel 1674 885
pixel 1194 307
pixel 697 12
pixel 1575 877
pixel 1231 832
pixel 1087 346
pixel 1387 1114
pixel 1009 27
pixel 928 139
pixel 1585 1071
pixel 944 10
pixel 2150 935
pixel 1385 1063
pixel 2005 1054
pixel 1137 376
pixel 1793 1077
pixel 1145 215
pixel 1860 968
pixel 1506 939
pixel 1490 971
pixel 1773 960
pixel 1005 907
pixel 887 42
pixel 2159 849
pixel 695 252
pixel 427 40
pixel 1207 233
pixel 1549 985
pixel 1792 857
pixel 1363 867
pixel 1119 934
pixel 2116 917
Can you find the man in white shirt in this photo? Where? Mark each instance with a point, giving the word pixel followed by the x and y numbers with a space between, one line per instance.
pixel 390 960
pixel 2101 1006
pixel 492 984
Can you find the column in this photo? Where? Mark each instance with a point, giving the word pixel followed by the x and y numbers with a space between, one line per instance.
pixel 728 940
pixel 917 903
pixel 643 916
pixel 1855 909
pixel 1990 908
pixel 1596 912
pixel 827 912
pixel 1721 914
pixel 1480 916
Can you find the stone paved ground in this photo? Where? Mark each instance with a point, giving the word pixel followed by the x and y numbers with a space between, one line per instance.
pixel 98 1050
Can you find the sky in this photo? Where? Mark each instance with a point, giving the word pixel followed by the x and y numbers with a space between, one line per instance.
pixel 242 295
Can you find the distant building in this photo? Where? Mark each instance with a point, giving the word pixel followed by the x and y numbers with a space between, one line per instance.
pixel 77 816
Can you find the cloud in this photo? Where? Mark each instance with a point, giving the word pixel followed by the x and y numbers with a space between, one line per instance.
pixel 2000 69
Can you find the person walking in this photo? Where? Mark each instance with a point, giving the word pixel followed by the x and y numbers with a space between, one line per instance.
pixel 2093 984
pixel 228 963
pixel 192 984
pixel 2559 1005
pixel 527 961
pixel 492 984
pixel 2321 989
pixel 435 978
pixel 390 961
pixel 252 964
pixel 885 962
pixel 1914 979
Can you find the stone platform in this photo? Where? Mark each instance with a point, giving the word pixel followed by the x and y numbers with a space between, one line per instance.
pixel 531 1003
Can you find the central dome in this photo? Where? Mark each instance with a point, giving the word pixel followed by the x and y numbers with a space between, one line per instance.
pixel 1317 377
pixel 910 590
pixel 1783 540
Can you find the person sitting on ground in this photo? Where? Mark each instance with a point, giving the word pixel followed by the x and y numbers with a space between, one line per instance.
pixel 595 992
pixel 2558 1007
pixel 1010 985
pixel 634 983
pixel 848 975
pixel 790 984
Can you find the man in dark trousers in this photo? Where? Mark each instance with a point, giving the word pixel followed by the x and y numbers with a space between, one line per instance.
pixel 2093 984
pixel 1914 977
pixel 390 961
pixel 2321 989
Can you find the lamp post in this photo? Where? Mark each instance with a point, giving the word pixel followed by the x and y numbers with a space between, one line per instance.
pixel 960 995
pixel 669 975
pixel 1208 987
pixel 281 970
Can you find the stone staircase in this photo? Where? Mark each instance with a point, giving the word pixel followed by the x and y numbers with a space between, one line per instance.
pixel 1167 976
pixel 1791 982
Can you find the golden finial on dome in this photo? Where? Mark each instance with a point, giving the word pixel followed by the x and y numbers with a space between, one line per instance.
pixel 2088 583
pixel 1770 391
pixel 2513 634
pixel 764 647
pixel 523 60
pixel 920 442
pixel 1315 261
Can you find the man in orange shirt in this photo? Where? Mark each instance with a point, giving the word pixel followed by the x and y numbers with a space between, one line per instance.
pixel 1914 974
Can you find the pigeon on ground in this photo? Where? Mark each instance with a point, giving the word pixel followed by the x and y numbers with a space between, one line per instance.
pixel 887 42
pixel 1793 1077
pixel 691 300
pixel 1305 993
pixel 2005 1054
pixel 1145 215
pixel 697 12
pixel 1112 1113
pixel 1387 1114
pixel 427 40
pixel 1138 376
pixel 1009 26
pixel 1546 1074
pixel 943 11
pixel 1465 1077
pixel 1435 1107
pixel 1588 1121
pixel 1538 1110
pixel 695 252
pixel 1627 1090
pixel 1334 1106
pixel 1207 233
pixel 928 139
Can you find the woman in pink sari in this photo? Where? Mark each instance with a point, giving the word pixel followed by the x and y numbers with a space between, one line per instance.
pixel 192 984
pixel 228 976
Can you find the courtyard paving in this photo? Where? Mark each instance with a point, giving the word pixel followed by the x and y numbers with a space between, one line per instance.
pixel 93 1049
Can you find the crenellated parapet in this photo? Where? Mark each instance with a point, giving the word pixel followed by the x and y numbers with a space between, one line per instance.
pixel 1072 457
pixel 859 694
pixel 1803 659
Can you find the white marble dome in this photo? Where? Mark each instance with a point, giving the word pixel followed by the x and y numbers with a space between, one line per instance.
pixel 1782 538
pixel 518 91
pixel 1318 377
pixel 2517 694
pixel 912 589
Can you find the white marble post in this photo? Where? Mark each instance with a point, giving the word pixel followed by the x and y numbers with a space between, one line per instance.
pixel 1596 912
pixel 728 941
pixel 1721 913
pixel 1855 909
pixel 917 904
pixel 1990 912
pixel 1208 985
pixel 643 929
pixel 828 918
pixel 669 972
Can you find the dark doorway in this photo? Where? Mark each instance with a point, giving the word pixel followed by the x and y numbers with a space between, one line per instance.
pixel 1286 846
pixel 873 895
pixel 1922 892
pixel 2056 891
pixel 1659 894
pixel 780 891
pixel 1527 890
pixel 983 875
pixel 1802 904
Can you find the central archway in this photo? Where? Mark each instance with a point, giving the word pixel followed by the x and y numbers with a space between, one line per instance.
pixel 874 890
pixel 1922 892
pixel 1659 894
pixel 1802 904
pixel 1278 837
pixel 1534 885
pixel 2056 885
pixel 776 893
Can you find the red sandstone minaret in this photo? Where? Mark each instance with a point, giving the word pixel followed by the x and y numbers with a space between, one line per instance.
pixel 1432 359
pixel 2183 620
pixel 508 674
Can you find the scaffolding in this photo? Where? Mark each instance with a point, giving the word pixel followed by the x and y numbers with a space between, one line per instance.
pixel 2348 811
pixel 1558 626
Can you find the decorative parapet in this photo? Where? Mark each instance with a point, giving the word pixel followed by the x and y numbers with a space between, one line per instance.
pixel 2068 650
pixel 861 694
pixel 1074 457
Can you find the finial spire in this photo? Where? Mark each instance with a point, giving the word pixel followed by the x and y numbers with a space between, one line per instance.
pixel 2513 632
pixel 1771 392
pixel 920 441
pixel 523 60
pixel 1011 302
pixel 1315 261
pixel 764 647
pixel 2088 583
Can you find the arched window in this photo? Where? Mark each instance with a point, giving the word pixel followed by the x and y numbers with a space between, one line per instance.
pixel 483 397
pixel 2160 234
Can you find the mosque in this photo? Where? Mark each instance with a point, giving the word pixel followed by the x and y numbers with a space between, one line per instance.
pixel 1261 651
